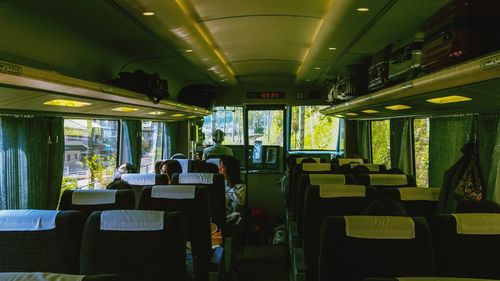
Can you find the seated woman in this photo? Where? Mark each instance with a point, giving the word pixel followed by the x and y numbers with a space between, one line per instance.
pixel 117 182
pixel 170 167
pixel 235 189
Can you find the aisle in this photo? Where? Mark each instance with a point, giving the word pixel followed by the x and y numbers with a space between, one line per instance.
pixel 262 263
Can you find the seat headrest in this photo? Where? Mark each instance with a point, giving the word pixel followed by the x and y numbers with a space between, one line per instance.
pixel 184 164
pixel 379 227
pixel 173 191
pixel 388 179
pixel 316 167
pixel 343 161
pixel 419 194
pixel 93 197
pixel 370 167
pixel 479 224
pixel 317 179
pixel 139 179
pixel 341 190
pixel 215 161
pixel 439 279
pixel 38 276
pixel 298 160
pixel 132 220
pixel 196 178
pixel 27 220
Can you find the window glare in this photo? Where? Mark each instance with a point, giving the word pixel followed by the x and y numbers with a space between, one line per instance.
pixel 312 130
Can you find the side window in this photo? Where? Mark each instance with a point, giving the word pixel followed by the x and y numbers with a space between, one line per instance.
pixel 312 130
pixel 95 143
pixel 421 144
pixel 152 136
pixel 381 142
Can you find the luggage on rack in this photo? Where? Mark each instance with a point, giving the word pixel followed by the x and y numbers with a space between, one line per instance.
pixel 352 81
pixel 378 73
pixel 461 30
pixel 406 58
pixel 151 85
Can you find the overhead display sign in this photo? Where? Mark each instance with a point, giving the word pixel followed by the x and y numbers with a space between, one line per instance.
pixel 266 95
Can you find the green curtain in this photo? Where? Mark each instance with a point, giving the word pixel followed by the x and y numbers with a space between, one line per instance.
pixel 169 139
pixel 401 145
pixel 31 162
pixel 364 140
pixel 489 151
pixel 131 137
pixel 350 137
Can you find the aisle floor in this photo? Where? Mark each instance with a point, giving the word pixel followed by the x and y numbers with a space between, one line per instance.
pixel 262 263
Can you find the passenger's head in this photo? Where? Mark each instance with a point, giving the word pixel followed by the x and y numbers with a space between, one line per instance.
pixel 483 206
pixel 308 160
pixel 385 207
pixel 230 168
pixel 204 167
pixel 124 169
pixel 218 136
pixel 179 156
pixel 170 167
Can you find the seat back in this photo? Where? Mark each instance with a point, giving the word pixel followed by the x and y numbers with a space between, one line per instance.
pixel 418 202
pixel 386 180
pixel 139 181
pixel 40 240
pixel 357 247
pixel 327 200
pixel 216 191
pixel 467 245
pixel 193 202
pixel 139 245
pixel 43 276
pixel 362 168
pixel 88 201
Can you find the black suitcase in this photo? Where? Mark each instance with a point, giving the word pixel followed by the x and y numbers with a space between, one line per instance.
pixel 151 85
pixel 378 73
pixel 406 58
pixel 352 82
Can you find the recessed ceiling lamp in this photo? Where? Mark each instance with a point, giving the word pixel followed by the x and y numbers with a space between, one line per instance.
pixel 351 114
pixel 125 109
pixel 449 99
pixel 188 51
pixel 177 115
pixel 332 48
pixel 67 103
pixel 148 14
pixel 192 116
pixel 362 9
pixel 369 111
pixel 339 115
pixel 317 68
pixel 308 80
pixel 398 107
pixel 156 112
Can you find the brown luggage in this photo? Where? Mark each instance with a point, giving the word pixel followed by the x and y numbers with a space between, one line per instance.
pixel 378 73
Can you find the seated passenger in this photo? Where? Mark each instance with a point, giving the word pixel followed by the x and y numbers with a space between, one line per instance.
pixel 385 207
pixel 235 189
pixel 117 182
pixel 483 206
pixel 217 148
pixel 203 167
pixel 170 167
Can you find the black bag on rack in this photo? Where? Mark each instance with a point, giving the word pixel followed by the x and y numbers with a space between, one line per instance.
pixel 352 82
pixel 151 85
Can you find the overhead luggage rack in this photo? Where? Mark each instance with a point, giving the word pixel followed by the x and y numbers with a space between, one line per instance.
pixel 477 80
pixel 26 88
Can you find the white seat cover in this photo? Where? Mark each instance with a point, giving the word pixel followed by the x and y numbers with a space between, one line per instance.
pixel 380 227
pixel 196 178
pixel 93 197
pixel 132 220
pixel 27 220
pixel 38 276
pixel 139 179
pixel 173 191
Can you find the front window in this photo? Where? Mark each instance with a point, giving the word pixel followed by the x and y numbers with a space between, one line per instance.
pixel 312 130
pixel 229 120
pixel 90 152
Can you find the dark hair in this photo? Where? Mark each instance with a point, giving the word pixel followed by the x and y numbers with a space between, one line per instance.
pixel 232 166
pixel 119 184
pixel 385 207
pixel 483 206
pixel 172 166
pixel 395 171
pixel 204 167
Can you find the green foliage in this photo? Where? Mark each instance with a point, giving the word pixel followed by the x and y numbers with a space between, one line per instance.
pixel 381 143
pixel 101 168
pixel 421 137
pixel 320 131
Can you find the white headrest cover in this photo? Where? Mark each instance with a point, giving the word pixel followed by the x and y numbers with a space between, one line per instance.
pixel 173 191
pixel 341 190
pixel 93 197
pixel 184 164
pixel 27 220
pixel 419 194
pixel 440 279
pixel 388 179
pixel 299 159
pixel 343 161
pixel 196 178
pixel 380 227
pixel 317 179
pixel 215 161
pixel 316 167
pixel 131 220
pixel 371 167
pixel 38 276
pixel 479 224
pixel 139 179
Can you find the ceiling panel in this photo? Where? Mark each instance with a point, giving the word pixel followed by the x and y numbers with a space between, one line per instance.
pixel 266 68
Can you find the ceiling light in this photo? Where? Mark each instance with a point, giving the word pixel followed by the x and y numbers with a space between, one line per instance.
pixel 177 115
pixel 125 109
pixel 332 48
pixel 188 51
pixel 449 99
pixel 67 103
pixel 339 115
pixel 317 68
pixel 156 112
pixel 148 14
pixel 192 116
pixel 369 111
pixel 351 114
pixel 308 80
pixel 363 9
pixel 398 107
